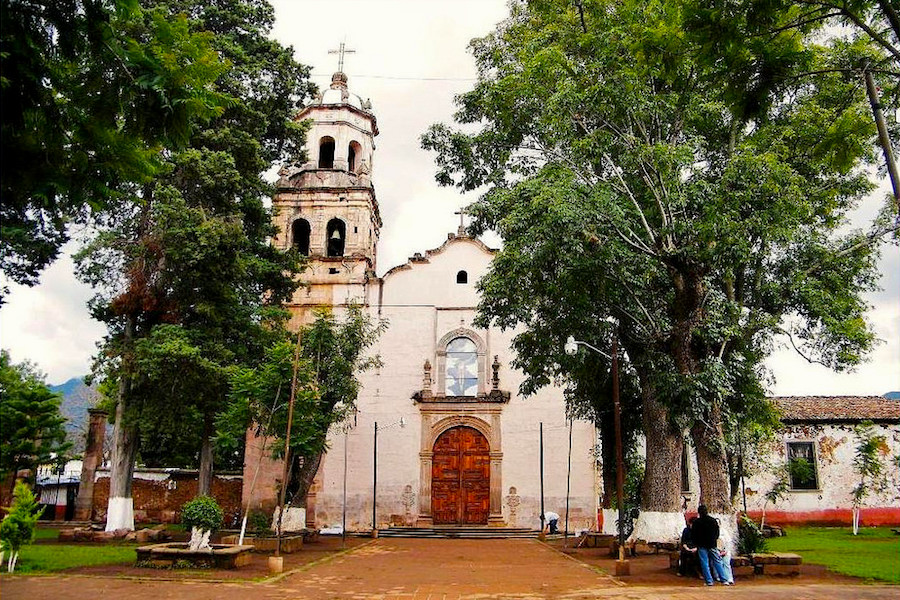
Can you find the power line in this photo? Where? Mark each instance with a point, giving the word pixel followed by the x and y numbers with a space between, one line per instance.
pixel 403 78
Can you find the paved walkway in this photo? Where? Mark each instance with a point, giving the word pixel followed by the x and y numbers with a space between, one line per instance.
pixel 425 570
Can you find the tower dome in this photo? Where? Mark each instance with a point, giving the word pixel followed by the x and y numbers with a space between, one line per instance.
pixel 338 93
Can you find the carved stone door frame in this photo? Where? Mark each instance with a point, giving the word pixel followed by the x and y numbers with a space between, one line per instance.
pixel 438 418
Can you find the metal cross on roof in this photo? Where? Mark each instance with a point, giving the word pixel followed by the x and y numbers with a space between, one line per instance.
pixel 341 51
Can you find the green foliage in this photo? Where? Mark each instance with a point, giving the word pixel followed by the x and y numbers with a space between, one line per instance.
pixel 782 484
pixel 203 512
pixel 332 353
pixel 91 91
pixel 867 462
pixel 196 287
pixel 259 522
pixel 629 176
pixel 17 527
pixel 871 555
pixel 750 537
pixel 32 430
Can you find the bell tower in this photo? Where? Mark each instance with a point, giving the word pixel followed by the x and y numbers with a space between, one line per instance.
pixel 326 208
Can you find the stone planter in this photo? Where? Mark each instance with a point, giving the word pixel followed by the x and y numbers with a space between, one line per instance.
pixel 174 554
pixel 289 543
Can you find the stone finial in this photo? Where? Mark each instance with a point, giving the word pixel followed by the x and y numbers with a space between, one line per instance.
pixel 426 379
pixel 495 380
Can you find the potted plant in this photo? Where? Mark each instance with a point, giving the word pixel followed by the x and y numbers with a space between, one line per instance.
pixel 204 516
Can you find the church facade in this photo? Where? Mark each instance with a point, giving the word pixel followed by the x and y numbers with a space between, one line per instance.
pixel 440 436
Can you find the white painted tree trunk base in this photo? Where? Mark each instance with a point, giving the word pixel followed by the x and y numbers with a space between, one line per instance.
pixel 199 540
pixel 654 526
pixel 728 531
pixel 120 514
pixel 610 515
pixel 855 521
pixel 294 520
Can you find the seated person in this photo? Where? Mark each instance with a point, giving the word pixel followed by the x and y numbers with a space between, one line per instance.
pixel 687 562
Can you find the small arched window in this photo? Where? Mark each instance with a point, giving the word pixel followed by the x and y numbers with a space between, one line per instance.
pixel 462 277
pixel 300 236
pixel 462 368
pixel 337 234
pixel 353 157
pixel 326 153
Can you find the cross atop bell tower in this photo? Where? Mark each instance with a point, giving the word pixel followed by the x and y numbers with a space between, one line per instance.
pixel 341 51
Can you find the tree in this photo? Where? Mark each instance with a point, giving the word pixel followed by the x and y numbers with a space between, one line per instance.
pixel 867 33
pixel 91 90
pixel 709 230
pixel 197 287
pixel 868 465
pixel 17 528
pixel 330 353
pixel 32 430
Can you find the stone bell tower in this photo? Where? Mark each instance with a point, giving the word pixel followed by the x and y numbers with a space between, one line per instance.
pixel 326 208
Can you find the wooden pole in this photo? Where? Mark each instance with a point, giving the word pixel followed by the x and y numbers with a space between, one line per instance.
pixel 374 477
pixel 620 461
pixel 883 137
pixel 287 442
pixel 344 503
pixel 568 487
pixel 542 477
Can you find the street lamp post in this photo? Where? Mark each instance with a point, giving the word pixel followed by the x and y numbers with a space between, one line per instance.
pixel 571 348
pixel 401 423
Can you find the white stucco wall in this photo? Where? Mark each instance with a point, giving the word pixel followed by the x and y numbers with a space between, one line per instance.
pixel 422 303
pixel 835 447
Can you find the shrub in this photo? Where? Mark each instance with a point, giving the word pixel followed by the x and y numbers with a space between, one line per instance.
pixel 17 529
pixel 203 512
pixel 750 536
pixel 259 522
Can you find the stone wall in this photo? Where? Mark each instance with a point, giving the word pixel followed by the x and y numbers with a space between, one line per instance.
pixel 159 495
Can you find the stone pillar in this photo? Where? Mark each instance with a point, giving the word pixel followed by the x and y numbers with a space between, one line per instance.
pixel 495 517
pixel 93 458
pixel 425 518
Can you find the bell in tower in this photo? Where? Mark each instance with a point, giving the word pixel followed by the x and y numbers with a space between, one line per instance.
pixel 326 208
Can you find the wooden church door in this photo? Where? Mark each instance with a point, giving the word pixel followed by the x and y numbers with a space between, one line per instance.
pixel 461 478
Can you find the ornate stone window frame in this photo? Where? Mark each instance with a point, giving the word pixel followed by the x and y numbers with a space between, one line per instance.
pixel 441 362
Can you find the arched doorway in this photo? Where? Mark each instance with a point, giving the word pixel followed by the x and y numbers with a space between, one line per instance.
pixel 461 478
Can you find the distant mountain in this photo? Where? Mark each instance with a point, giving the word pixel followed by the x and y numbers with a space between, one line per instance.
pixel 77 398
pixel 892 395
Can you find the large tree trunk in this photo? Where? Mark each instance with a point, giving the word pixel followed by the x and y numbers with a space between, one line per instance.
pixel 709 444
pixel 660 519
pixel 304 473
pixel 204 478
pixel 120 508
pixel 608 458
pixel 712 466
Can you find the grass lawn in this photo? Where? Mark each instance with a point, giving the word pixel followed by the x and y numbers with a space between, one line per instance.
pixel 46 533
pixel 45 558
pixel 873 554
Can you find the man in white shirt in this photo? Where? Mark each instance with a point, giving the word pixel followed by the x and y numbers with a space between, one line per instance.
pixel 552 521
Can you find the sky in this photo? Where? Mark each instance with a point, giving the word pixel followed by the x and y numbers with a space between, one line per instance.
pixel 410 59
